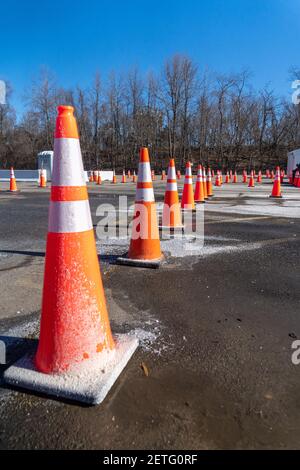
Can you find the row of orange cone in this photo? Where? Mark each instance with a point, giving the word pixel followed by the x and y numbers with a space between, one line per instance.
pixel 95 176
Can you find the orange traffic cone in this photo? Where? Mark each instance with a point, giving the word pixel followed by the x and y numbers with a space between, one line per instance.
pixel 163 175
pixel 227 177
pixel 134 177
pixel 276 191
pixel 259 177
pixel 123 177
pixel 187 200
pixel 13 183
pixel 218 179
pixel 235 178
pixel 43 178
pixel 114 180
pixel 153 175
pixel 144 249
pixel 128 173
pixel 209 186
pixel 91 177
pixel 230 174
pixel 77 357
pixel 245 176
pixel 204 182
pixel 251 180
pixel 171 217
pixel 178 175
pixel 99 180
pixel 199 189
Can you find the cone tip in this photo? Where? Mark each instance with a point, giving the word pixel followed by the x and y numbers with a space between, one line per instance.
pixel 65 109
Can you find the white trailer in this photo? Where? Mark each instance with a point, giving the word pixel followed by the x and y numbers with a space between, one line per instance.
pixel 293 160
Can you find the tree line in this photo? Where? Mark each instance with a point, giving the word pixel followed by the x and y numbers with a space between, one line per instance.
pixel 181 112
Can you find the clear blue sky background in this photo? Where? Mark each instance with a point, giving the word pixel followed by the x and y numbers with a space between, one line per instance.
pixel 75 38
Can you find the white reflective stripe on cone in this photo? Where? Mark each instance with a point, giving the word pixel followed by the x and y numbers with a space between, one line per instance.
pixel 144 194
pixel 144 175
pixel 188 172
pixel 69 216
pixel 171 187
pixel 171 173
pixel 67 163
pixel 12 173
pixel 188 181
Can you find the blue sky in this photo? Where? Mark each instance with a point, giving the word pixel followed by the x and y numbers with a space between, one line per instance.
pixel 76 38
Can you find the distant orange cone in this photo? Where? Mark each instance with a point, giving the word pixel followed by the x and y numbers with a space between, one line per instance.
pixel 199 189
pixel 144 249
pixel 209 186
pixel 235 177
pixel 227 180
pixel 187 200
pixel 251 180
pixel 114 180
pixel 99 180
pixel 178 175
pixel 218 179
pixel 204 182
pixel 259 177
pixel 171 216
pixel 124 177
pixel 134 177
pixel 245 176
pixel 77 357
pixel 43 178
pixel 13 183
pixel 91 177
pixel 153 175
pixel 276 191
pixel 128 173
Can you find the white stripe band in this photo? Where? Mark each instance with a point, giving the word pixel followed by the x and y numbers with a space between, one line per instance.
pixel 188 181
pixel 171 187
pixel 144 175
pixel 144 194
pixel 67 163
pixel 69 216
pixel 171 173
